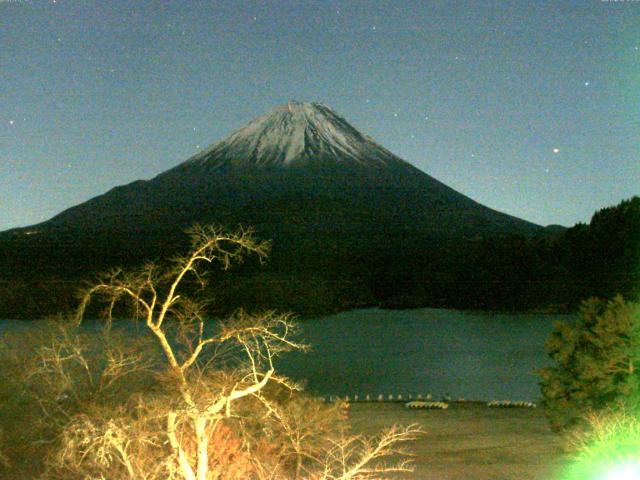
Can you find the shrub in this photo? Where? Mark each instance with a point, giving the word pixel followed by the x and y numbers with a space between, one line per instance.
pixel 55 371
pixel 596 362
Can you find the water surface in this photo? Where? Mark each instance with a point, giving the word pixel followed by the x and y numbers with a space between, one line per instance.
pixel 481 356
pixel 471 355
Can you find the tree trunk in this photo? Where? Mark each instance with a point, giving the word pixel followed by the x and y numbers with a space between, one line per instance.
pixel 203 447
pixel 183 461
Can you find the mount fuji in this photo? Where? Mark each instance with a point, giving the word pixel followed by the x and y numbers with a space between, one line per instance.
pixel 301 163
pixel 335 203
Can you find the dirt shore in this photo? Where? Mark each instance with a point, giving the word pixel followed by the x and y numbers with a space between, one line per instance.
pixel 470 441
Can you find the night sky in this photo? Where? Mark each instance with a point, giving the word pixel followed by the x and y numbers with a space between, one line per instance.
pixel 529 107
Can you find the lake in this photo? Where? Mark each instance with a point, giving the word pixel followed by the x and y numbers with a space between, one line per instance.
pixel 471 355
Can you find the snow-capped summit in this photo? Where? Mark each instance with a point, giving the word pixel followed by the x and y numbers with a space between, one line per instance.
pixel 295 134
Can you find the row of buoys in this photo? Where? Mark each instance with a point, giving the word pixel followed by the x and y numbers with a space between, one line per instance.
pixel 510 404
pixel 425 401
pixel 427 405
pixel 379 398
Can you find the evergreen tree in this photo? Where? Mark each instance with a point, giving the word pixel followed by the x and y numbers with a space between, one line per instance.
pixel 596 361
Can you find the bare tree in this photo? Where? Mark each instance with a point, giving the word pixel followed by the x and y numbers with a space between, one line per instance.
pixel 55 372
pixel 219 410
pixel 360 458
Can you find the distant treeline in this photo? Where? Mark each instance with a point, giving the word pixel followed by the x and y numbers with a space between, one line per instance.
pixel 517 273
pixel 333 271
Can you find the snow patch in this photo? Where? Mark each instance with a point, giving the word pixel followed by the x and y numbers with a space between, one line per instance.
pixel 296 132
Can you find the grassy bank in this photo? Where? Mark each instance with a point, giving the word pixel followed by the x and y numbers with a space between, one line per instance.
pixel 470 441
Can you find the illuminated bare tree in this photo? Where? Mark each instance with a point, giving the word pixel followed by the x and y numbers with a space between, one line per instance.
pixel 217 394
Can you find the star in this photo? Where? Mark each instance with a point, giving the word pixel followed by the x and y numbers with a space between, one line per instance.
pixel 373 27
pixel 556 150
pixel 586 84
pixel 546 170
pixel 395 114
pixel 11 122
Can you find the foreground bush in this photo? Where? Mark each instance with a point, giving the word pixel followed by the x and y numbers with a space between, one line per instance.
pixel 54 372
pixel 186 399
pixel 596 362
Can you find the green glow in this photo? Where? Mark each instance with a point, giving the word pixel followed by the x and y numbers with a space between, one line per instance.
pixel 606 468
pixel 610 451
pixel 625 471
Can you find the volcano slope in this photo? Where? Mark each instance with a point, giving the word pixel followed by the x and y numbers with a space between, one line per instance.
pixel 351 223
